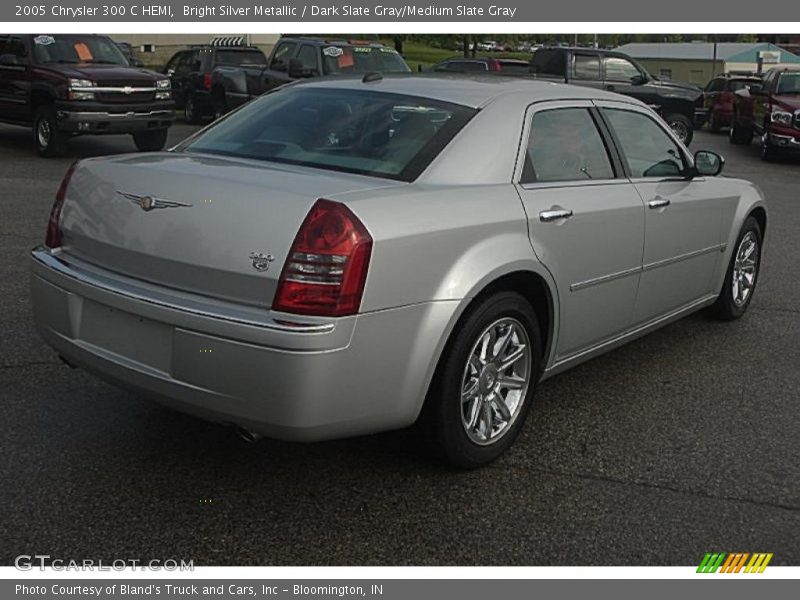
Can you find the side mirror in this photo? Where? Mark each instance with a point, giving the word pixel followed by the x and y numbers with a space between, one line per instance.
pixel 8 60
pixel 638 80
pixel 708 163
pixel 296 70
pixel 169 72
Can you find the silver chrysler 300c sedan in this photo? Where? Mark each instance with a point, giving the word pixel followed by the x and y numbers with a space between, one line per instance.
pixel 345 257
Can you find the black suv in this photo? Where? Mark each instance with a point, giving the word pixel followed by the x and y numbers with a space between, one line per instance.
pixel 191 74
pixel 75 84
pixel 504 66
pixel 680 104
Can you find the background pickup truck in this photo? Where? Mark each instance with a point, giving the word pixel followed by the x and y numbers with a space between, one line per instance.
pixel 771 110
pixel 680 104
pixel 78 84
pixel 295 58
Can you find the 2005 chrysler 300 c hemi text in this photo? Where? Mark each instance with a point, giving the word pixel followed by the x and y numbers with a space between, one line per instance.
pixel 349 256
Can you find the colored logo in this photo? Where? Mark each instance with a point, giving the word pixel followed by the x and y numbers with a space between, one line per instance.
pixel 734 562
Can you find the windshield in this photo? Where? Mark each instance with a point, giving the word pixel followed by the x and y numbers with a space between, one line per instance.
pixel 789 83
pixel 370 133
pixel 237 58
pixel 74 49
pixel 362 59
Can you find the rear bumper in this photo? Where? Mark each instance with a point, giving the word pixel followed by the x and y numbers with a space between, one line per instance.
pixel 133 120
pixel 303 381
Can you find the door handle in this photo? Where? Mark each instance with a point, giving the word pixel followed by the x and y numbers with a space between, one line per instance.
pixel 554 214
pixel 658 203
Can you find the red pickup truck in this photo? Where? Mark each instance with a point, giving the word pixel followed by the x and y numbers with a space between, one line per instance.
pixel 771 110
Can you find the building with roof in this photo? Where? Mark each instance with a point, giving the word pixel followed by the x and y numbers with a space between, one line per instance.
pixel 699 62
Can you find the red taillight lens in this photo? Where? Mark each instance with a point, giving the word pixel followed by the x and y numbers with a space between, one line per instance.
pixel 326 268
pixel 207 81
pixel 53 237
pixel 494 65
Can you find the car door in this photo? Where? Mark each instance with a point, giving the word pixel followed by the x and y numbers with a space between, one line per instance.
pixel 683 215
pixel 586 222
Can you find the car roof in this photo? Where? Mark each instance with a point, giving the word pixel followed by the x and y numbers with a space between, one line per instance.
pixel 474 91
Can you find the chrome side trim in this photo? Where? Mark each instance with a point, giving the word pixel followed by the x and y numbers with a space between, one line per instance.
pixel 574 287
pixel 675 259
pixel 604 279
pixel 45 258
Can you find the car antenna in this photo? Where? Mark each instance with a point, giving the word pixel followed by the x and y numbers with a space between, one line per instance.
pixel 370 77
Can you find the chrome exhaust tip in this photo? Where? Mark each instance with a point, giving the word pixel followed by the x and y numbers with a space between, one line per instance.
pixel 248 436
pixel 67 362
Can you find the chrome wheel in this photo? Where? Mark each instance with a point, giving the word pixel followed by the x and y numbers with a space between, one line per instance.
pixel 745 269
pixel 44 133
pixel 495 381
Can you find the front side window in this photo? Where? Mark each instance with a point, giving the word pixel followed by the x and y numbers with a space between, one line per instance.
pixel 280 60
pixel 715 85
pixel 620 69
pixel 565 145
pixel 789 83
pixel 77 49
pixel 354 131
pixel 648 149
pixel 587 66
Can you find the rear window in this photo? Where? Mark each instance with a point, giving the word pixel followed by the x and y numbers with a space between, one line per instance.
pixel 362 59
pixel 237 58
pixel 371 133
pixel 739 84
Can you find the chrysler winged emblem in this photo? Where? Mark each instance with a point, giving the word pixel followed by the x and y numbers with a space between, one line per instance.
pixel 261 261
pixel 148 203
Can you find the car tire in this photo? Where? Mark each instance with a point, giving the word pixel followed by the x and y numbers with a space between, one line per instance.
pixel 741 275
pixel 738 133
pixel 769 152
pixel 191 111
pixel 459 424
pixel 150 141
pixel 682 126
pixel 50 142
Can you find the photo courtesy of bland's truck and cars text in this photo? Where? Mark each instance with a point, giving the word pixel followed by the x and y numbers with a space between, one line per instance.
pixel 347 299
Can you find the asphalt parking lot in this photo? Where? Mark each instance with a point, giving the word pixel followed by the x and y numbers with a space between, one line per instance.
pixel 682 442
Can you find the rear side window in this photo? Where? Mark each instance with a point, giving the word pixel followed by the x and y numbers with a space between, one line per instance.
pixel 647 148
pixel 371 133
pixel 565 145
pixel 549 62
pixel 587 66
pixel 236 58
pixel 464 65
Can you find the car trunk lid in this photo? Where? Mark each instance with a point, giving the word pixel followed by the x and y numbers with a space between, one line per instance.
pixel 215 226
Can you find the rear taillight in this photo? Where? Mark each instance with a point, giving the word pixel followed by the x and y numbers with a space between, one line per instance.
pixel 494 65
pixel 53 237
pixel 207 81
pixel 326 268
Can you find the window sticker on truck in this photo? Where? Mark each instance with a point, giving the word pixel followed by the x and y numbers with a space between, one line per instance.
pixel 44 40
pixel 332 51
